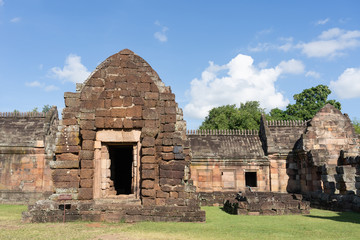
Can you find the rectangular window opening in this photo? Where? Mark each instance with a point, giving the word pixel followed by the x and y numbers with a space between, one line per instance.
pixel 250 179
pixel 121 166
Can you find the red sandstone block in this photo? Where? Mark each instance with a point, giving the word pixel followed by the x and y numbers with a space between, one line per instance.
pixel 170 127
pixel 151 123
pixel 148 184
pixel 167 96
pixel 99 122
pixel 87 124
pixel 117 102
pixel 151 96
pixel 135 111
pixel 88 134
pixel 69 121
pixel 148 174
pixel 67 149
pixel 138 101
pixel 138 123
pixel 86 183
pixel 67 157
pixel 161 194
pixel 92 104
pixel 86 173
pixel 109 122
pixel 148 159
pixel 148 151
pixel 96 82
pixel 153 87
pixel 151 104
pixel 86 155
pixel 127 101
pixel 167 148
pixel 128 123
pixel 148 142
pixel 85 194
pixel 65 178
pixel 160 201
pixel 87 164
pixel 118 112
pixel 72 102
pixel 148 201
pixel 143 87
pixel 150 114
pixel 171 174
pixel 117 123
pixel 170 110
pixel 102 113
pixel 107 103
pixel 145 166
pixel 63 184
pixel 63 172
pixel 169 119
pixel 167 156
pixel 174 195
pixel 71 95
pixel 148 192
pixel 88 145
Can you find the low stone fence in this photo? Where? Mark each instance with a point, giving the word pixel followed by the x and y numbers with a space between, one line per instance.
pixel 214 198
pixel 267 203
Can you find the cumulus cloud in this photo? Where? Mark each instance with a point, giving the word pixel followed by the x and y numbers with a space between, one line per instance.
pixel 237 82
pixel 323 21
pixel 312 74
pixel 331 43
pixel 161 35
pixel 73 71
pixel 348 84
pixel 15 20
pixel 47 88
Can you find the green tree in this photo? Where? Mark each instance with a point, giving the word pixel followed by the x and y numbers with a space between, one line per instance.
pixel 46 108
pixel 307 104
pixel 356 124
pixel 35 110
pixel 247 116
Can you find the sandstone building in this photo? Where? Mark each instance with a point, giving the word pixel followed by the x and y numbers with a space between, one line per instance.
pixel 121 151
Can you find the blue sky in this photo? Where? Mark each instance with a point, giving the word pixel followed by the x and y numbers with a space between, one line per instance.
pixel 211 53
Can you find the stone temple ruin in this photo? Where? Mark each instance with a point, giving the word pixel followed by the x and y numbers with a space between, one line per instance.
pixel 121 151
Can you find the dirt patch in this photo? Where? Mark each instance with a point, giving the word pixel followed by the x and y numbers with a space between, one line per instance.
pixel 94 225
pixel 118 236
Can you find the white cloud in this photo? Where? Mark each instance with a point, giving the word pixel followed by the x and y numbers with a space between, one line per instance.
pixel 237 82
pixel 312 74
pixel 43 86
pixel 331 43
pixel 73 71
pixel 285 46
pixel 15 20
pixel 161 35
pixel 292 66
pixel 1 3
pixel 348 84
pixel 34 84
pixel 322 21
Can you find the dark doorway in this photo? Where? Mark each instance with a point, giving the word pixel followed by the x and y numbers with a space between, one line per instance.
pixel 250 179
pixel 121 168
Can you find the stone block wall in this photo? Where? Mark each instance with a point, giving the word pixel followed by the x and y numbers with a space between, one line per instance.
pixel 221 159
pixel 27 142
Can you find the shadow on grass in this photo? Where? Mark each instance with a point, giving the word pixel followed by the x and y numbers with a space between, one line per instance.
pixel 350 217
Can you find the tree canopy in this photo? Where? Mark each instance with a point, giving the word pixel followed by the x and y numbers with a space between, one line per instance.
pixel 307 104
pixel 247 116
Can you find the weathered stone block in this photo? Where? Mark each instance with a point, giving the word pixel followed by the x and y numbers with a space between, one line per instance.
pixel 64 164
pixel 85 194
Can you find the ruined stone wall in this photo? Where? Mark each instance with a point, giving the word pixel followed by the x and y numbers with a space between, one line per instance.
pixel 123 103
pixel 221 159
pixel 278 139
pixel 27 143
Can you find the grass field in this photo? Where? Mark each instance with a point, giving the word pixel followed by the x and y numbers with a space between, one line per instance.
pixel 319 224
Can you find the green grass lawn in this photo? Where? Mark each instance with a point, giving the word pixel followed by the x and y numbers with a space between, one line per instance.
pixel 319 224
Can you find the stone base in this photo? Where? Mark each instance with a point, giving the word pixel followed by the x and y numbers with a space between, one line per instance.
pixel 50 211
pixel 214 198
pixel 21 197
pixel 267 203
